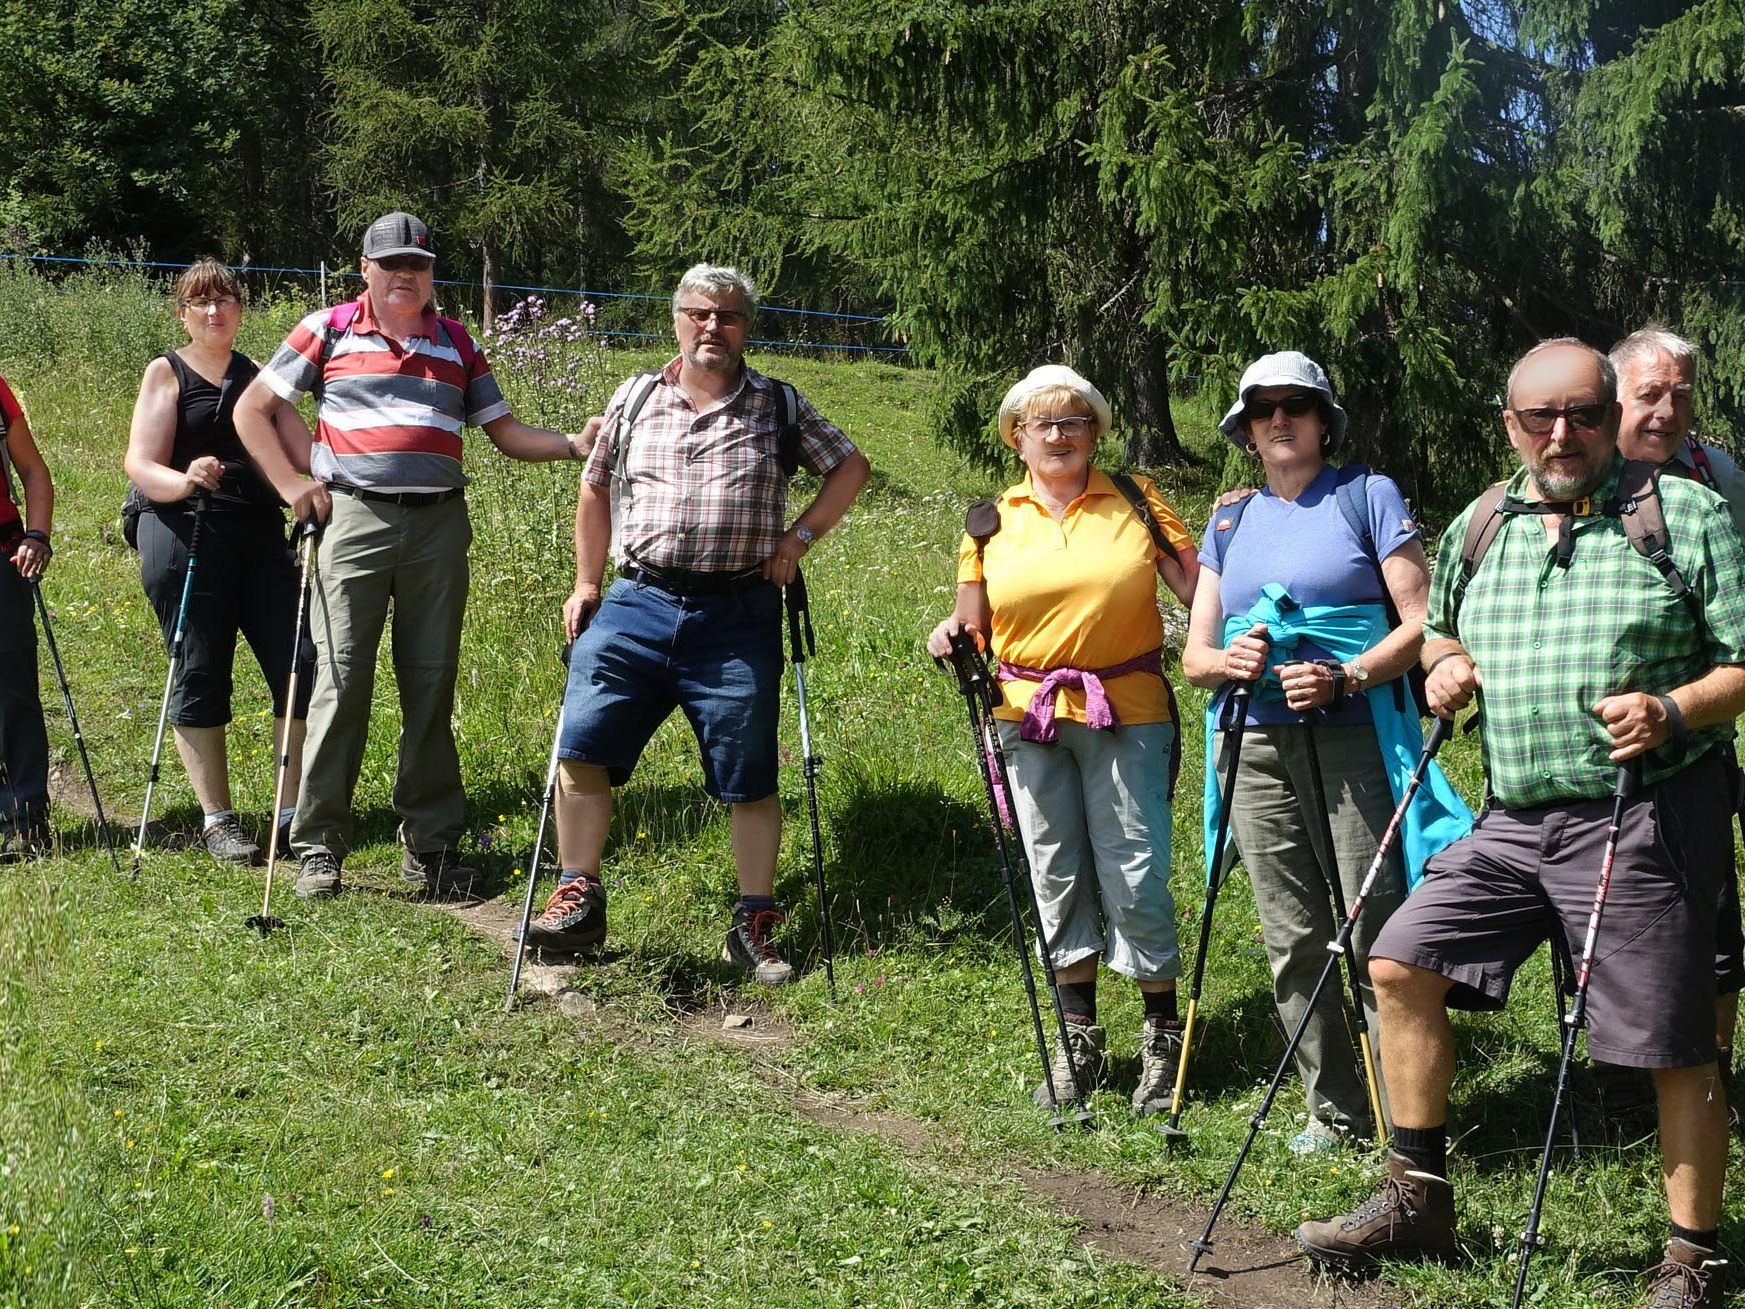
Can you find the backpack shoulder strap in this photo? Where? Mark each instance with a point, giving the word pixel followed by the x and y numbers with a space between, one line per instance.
pixel 1130 491
pixel 1482 526
pixel 1644 520
pixel 980 521
pixel 1351 490
pixel 640 389
pixel 1699 459
pixel 788 429
pixel 1224 528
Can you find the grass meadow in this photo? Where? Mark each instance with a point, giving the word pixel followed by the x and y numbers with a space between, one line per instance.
pixel 343 1114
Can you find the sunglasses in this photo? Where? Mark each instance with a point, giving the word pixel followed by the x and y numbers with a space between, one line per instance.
pixel 405 263
pixel 1579 418
pixel 726 317
pixel 1295 405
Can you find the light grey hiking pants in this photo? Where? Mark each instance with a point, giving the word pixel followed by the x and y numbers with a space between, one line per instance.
pixel 1280 843
pixel 1094 815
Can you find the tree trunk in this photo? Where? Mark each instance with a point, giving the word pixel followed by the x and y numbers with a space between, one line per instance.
pixel 1150 438
pixel 487 275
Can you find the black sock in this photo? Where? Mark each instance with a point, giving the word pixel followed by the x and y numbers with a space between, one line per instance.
pixel 1159 1006
pixel 1078 1002
pixel 1425 1148
pixel 1724 1063
pixel 1702 1240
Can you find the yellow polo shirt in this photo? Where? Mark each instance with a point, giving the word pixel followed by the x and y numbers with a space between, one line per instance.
pixel 1080 593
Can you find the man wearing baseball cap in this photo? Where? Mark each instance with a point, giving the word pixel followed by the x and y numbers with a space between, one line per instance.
pixel 396 385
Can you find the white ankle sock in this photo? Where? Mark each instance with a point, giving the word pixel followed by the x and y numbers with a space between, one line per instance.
pixel 212 820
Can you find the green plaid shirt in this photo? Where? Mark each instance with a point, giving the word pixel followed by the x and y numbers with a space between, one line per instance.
pixel 1552 642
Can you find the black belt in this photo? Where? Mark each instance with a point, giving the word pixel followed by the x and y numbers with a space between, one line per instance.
pixel 681 581
pixel 410 499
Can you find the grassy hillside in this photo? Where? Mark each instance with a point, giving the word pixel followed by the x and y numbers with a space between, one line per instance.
pixel 342 1115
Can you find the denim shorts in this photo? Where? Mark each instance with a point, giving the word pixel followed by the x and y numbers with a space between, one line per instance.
pixel 718 657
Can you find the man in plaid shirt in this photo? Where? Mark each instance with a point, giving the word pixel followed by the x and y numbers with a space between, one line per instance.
pixel 1584 658
pixel 703 547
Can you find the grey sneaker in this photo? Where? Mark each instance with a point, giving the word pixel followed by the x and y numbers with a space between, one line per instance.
pixel 1160 1053
pixel 438 872
pixel 228 843
pixel 749 946
pixel 1088 1046
pixel 318 878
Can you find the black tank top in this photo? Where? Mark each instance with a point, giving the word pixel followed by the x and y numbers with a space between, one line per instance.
pixel 206 425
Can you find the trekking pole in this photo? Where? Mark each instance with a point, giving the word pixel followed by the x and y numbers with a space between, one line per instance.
pixel 201 502
pixel 976 684
pixel 801 644
pixel 1235 717
pixel 54 651
pixel 538 848
pixel 1629 774
pixel 265 921
pixel 1318 802
pixel 1336 949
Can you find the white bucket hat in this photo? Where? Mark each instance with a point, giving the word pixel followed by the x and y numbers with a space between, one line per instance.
pixel 1040 379
pixel 1286 368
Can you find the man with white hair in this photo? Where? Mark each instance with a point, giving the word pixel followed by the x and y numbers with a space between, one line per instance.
pixel 688 485
pixel 1657 374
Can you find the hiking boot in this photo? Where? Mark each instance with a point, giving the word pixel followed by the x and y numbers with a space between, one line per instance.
pixel 574 918
pixel 749 946
pixel 1411 1217
pixel 227 842
pixel 318 876
pixel 1087 1044
pixel 1689 1279
pixel 438 873
pixel 1160 1053
pixel 23 842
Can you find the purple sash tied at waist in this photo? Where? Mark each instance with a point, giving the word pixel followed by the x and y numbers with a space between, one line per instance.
pixel 1038 723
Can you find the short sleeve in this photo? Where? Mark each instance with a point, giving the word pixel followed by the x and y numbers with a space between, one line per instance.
pixel 1391 524
pixel 822 444
pixel 295 368
pixel 484 398
pixel 10 409
pixel 1174 530
pixel 1721 582
pixel 597 472
pixel 969 561
pixel 1439 622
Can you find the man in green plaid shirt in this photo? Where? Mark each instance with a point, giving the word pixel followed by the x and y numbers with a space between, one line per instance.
pixel 1583 657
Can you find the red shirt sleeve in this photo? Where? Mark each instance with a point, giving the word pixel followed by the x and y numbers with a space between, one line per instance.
pixel 9 406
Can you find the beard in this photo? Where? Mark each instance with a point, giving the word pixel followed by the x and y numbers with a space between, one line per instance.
pixel 1564 483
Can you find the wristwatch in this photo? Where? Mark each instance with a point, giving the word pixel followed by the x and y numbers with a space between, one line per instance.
pixel 1359 677
pixel 805 534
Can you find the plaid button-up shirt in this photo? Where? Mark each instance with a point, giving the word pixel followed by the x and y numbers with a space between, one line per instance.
pixel 1551 642
pixel 706 488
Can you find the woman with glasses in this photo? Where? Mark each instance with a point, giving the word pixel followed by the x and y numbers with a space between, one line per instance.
pixel 1061 582
pixel 183 450
pixel 1312 592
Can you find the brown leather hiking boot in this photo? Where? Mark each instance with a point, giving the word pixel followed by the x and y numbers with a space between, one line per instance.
pixel 1411 1217
pixel 1689 1279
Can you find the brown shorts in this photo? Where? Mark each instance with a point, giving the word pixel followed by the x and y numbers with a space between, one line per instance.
pixel 1486 902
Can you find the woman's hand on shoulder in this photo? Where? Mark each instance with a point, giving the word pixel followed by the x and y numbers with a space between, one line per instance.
pixel 939 640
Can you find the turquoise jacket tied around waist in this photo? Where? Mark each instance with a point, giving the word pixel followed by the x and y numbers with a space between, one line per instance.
pixel 1437 816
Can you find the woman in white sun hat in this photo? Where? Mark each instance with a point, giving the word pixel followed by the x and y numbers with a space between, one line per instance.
pixel 1059 575
pixel 1322 555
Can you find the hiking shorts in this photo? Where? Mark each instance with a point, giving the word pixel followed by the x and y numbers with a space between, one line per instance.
pixel 1487 901
pixel 717 657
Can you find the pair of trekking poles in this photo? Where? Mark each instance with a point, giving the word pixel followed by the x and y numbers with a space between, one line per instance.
pixel 308 535
pixel 802 644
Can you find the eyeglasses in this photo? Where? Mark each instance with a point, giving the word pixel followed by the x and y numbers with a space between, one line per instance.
pixel 725 317
pixel 1582 418
pixel 1295 405
pixel 1073 429
pixel 200 304
pixel 405 264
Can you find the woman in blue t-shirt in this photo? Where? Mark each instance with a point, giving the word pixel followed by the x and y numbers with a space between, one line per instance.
pixel 1300 565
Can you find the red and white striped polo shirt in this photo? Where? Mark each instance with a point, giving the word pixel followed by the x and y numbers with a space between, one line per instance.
pixel 390 412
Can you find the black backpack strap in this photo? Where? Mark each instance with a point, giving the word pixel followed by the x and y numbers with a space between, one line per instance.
pixel 788 433
pixel 980 521
pixel 1130 491
pixel 1482 526
pixel 1644 521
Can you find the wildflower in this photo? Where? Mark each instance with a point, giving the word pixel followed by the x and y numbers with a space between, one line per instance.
pixel 267 1209
pixel 387 1173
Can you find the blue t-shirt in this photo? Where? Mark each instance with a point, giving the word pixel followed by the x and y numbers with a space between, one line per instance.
pixel 1307 547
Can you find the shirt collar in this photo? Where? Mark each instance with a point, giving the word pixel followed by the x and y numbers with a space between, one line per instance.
pixel 365 322
pixel 1097 483
pixel 748 376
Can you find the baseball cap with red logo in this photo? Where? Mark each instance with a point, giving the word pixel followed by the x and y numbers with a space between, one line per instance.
pixel 398 234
